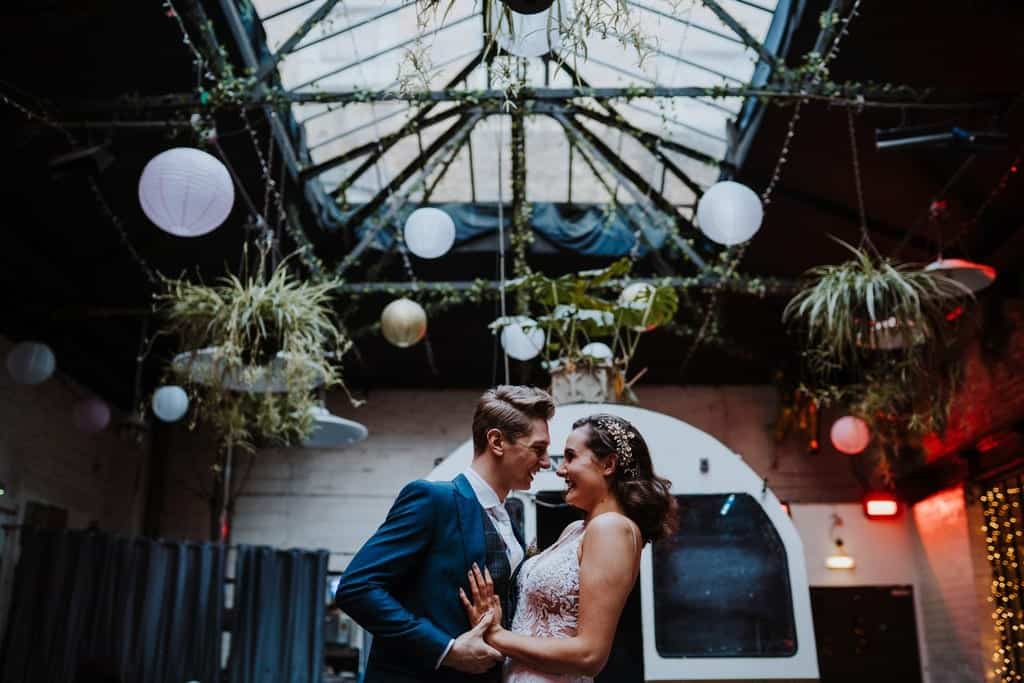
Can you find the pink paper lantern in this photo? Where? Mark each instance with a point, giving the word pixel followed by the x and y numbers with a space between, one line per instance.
pixel 91 415
pixel 850 435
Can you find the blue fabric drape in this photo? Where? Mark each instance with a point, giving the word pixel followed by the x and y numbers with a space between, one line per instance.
pixel 594 230
pixel 88 606
pixel 280 599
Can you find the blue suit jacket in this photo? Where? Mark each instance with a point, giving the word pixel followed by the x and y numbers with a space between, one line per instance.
pixel 402 585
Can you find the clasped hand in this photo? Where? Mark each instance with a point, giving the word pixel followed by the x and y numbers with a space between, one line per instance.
pixel 484 601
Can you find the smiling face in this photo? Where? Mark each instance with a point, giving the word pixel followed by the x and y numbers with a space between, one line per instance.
pixel 522 458
pixel 586 477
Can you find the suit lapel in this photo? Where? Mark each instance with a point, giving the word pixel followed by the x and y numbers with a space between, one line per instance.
pixel 471 522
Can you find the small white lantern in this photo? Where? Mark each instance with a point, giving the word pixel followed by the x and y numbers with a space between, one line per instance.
pixel 729 213
pixel 640 297
pixel 598 351
pixel 522 338
pixel 403 322
pixel 31 363
pixel 527 34
pixel 186 191
pixel 429 232
pixel 170 403
pixel 91 415
pixel 850 435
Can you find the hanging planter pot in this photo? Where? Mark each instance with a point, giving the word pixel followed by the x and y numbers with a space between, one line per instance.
pixel 889 335
pixel 528 6
pixel 598 382
pixel 527 33
pixel 869 303
pixel 255 347
pixel 973 276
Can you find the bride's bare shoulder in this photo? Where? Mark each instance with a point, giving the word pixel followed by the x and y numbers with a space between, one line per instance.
pixel 611 526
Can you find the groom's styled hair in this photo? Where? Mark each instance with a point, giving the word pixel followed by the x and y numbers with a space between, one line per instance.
pixel 510 408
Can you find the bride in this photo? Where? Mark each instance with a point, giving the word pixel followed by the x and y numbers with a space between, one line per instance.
pixel 572 594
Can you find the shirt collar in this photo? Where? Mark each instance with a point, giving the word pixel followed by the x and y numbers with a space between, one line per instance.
pixel 484 493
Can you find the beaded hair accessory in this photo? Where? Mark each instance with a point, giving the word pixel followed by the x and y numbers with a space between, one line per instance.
pixel 622 447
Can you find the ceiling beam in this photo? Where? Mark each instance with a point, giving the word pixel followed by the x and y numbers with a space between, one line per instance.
pixel 867 96
pixel 777 286
pixel 289 45
pixel 740 30
pixel 424 163
pixel 386 141
pixel 411 126
pixel 643 193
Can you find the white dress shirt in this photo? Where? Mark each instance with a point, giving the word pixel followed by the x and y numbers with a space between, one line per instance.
pixel 495 509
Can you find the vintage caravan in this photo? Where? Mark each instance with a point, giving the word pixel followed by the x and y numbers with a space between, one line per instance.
pixel 727 598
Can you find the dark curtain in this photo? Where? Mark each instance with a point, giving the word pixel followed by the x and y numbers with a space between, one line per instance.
pixel 278 635
pixel 88 606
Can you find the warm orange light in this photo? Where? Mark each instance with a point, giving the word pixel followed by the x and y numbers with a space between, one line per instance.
pixel 785 508
pixel 881 506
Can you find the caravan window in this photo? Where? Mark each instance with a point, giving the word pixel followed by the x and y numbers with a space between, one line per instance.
pixel 721 584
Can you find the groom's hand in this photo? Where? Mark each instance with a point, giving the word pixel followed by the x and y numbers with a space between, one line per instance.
pixel 469 653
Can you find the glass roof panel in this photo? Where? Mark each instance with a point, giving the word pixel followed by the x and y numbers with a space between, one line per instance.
pixel 370 45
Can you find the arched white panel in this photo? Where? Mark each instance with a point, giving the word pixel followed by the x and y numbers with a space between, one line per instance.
pixel 677 450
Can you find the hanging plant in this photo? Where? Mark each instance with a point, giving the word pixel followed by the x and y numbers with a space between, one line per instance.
pixel 868 304
pixel 878 343
pixel 588 340
pixel 253 350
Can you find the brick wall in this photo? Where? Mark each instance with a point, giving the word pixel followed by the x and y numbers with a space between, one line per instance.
pixel 44 458
pixel 96 478
pixel 947 568
pixel 992 394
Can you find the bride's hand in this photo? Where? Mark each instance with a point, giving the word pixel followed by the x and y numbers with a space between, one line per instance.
pixel 481 587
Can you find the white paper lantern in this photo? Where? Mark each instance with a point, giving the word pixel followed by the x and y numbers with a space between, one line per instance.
pixel 529 35
pixel 522 338
pixel 31 363
pixel 403 322
pixel 91 415
pixel 640 297
pixel 429 232
pixel 729 213
pixel 170 403
pixel 186 191
pixel 598 351
pixel 850 435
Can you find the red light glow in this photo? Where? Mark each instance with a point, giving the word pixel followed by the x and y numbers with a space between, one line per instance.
pixel 881 506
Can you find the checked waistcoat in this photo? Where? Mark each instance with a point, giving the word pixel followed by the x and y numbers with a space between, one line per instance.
pixel 499 567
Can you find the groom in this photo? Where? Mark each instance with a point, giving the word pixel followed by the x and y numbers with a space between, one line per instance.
pixel 402 586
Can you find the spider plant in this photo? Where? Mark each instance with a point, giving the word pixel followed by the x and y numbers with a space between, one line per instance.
pixel 869 303
pixel 250 332
pixel 573 313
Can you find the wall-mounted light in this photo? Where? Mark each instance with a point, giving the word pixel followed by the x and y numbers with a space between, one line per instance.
pixel 3 489
pixel 881 506
pixel 840 559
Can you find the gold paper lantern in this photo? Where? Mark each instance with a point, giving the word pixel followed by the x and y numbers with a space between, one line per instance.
pixel 403 322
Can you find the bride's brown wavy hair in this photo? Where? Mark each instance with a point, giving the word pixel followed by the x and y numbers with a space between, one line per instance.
pixel 645 497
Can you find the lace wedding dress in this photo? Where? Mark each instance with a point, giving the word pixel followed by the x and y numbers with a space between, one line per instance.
pixel 548 606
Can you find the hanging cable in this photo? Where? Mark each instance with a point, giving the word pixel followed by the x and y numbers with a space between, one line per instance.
pixel 501 236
